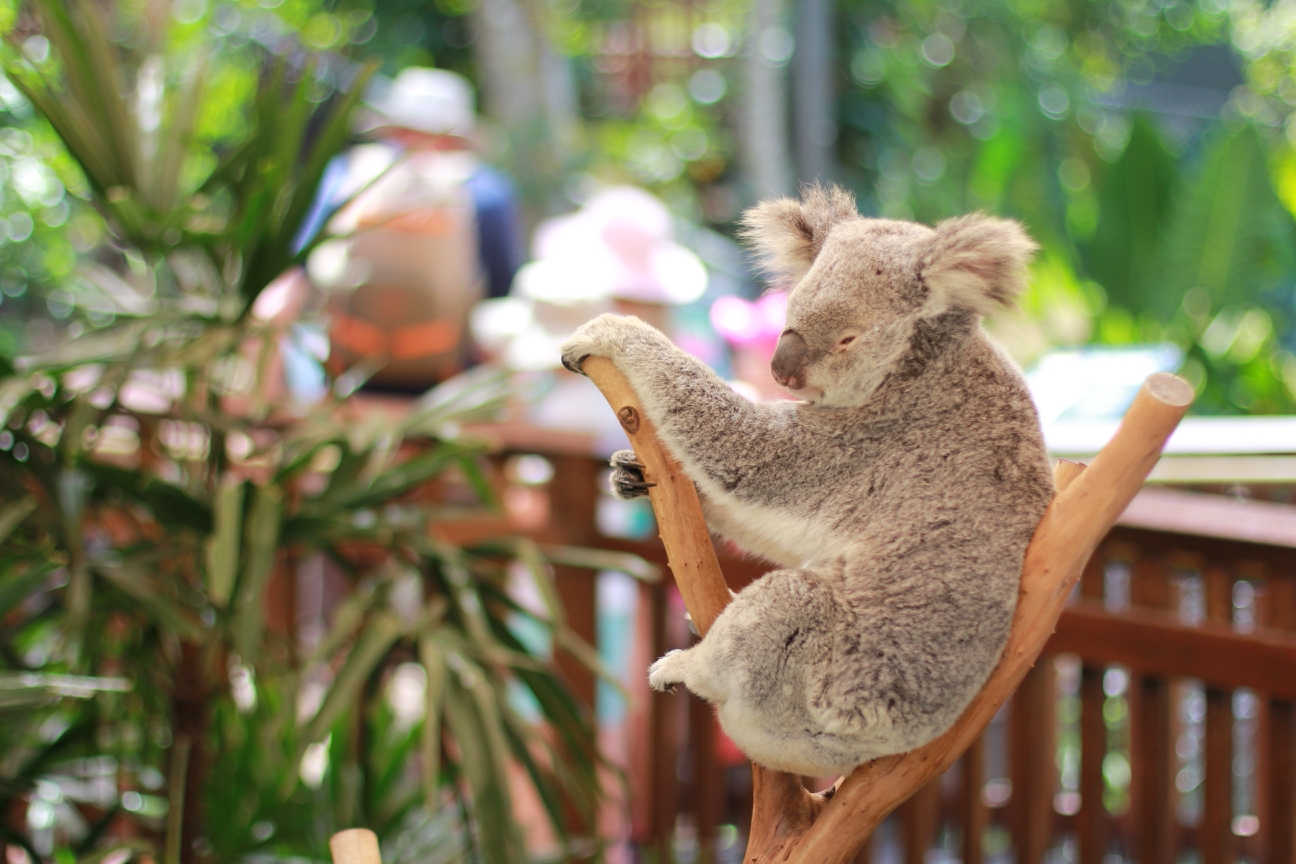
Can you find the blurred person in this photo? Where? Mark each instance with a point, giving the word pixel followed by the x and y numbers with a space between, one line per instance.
pixel 617 253
pixel 431 230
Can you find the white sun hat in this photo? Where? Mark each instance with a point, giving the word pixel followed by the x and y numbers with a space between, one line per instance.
pixel 434 101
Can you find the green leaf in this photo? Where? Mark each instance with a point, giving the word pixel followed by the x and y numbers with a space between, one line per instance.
pixel 170 505
pixel 603 559
pixel 401 478
pixel 20 580
pixel 35 763
pixel 111 345
pixel 94 86
pixel 432 657
pixel 222 547
pixel 522 739
pixel 348 617
pixel 138 848
pixel 165 612
pixel 12 515
pixel 259 558
pixel 474 722
pixel 375 641
pixel 1125 253
pixel 18 687
pixel 179 136
pixel 330 140
pixel 1229 234
pixel 476 394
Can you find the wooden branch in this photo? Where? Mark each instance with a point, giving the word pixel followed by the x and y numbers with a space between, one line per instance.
pixel 789 823
pixel 355 846
pixel 674 499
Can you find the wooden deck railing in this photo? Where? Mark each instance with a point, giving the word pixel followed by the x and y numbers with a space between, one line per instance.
pixel 1159 721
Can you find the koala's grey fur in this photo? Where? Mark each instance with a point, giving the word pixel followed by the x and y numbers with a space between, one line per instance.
pixel 899 495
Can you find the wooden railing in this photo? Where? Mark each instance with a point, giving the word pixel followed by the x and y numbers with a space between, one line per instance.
pixel 1160 720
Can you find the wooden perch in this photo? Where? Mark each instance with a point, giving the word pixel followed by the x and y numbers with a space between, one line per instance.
pixel 790 824
pixel 355 846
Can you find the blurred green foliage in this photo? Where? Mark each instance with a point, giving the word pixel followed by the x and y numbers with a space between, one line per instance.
pixel 1156 225
pixel 156 486
pixel 1020 108
pixel 1153 228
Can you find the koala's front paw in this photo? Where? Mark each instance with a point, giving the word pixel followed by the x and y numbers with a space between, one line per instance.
pixel 667 672
pixel 627 480
pixel 604 336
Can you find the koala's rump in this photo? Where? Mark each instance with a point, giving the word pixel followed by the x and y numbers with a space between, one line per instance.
pixel 912 646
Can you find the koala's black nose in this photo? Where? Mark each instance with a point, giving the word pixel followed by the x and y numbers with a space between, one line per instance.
pixel 788 364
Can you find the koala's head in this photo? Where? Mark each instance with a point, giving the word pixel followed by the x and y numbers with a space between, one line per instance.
pixel 861 286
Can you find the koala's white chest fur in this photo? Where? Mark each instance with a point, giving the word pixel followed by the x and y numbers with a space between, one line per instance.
pixel 770 532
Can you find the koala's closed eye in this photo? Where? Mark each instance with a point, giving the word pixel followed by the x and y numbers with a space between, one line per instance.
pixel 846 340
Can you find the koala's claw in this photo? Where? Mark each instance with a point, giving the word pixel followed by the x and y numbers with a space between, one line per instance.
pixel 627 479
pixel 574 365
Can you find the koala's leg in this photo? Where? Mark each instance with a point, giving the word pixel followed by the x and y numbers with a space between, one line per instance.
pixel 762 659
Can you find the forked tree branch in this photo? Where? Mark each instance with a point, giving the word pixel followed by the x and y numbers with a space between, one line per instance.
pixel 794 826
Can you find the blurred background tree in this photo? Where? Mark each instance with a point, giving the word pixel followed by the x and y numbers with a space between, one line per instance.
pixel 157 482
pixel 1145 143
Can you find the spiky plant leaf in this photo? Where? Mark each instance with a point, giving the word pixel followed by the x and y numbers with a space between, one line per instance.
pixel 1124 255
pixel 1229 235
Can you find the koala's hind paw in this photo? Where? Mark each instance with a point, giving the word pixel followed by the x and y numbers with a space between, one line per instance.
pixel 627 479
pixel 667 672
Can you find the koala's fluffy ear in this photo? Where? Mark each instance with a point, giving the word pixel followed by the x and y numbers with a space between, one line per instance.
pixel 786 234
pixel 977 262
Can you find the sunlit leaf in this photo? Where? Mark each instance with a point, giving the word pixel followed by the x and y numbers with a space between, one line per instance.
pixel 375 640
pixel 602 559
pixel 259 557
pixel 224 543
pixel 12 515
pixel 1229 235
pixel 1125 252
pixel 169 615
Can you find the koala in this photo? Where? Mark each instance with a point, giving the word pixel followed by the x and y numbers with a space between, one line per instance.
pixel 897 493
